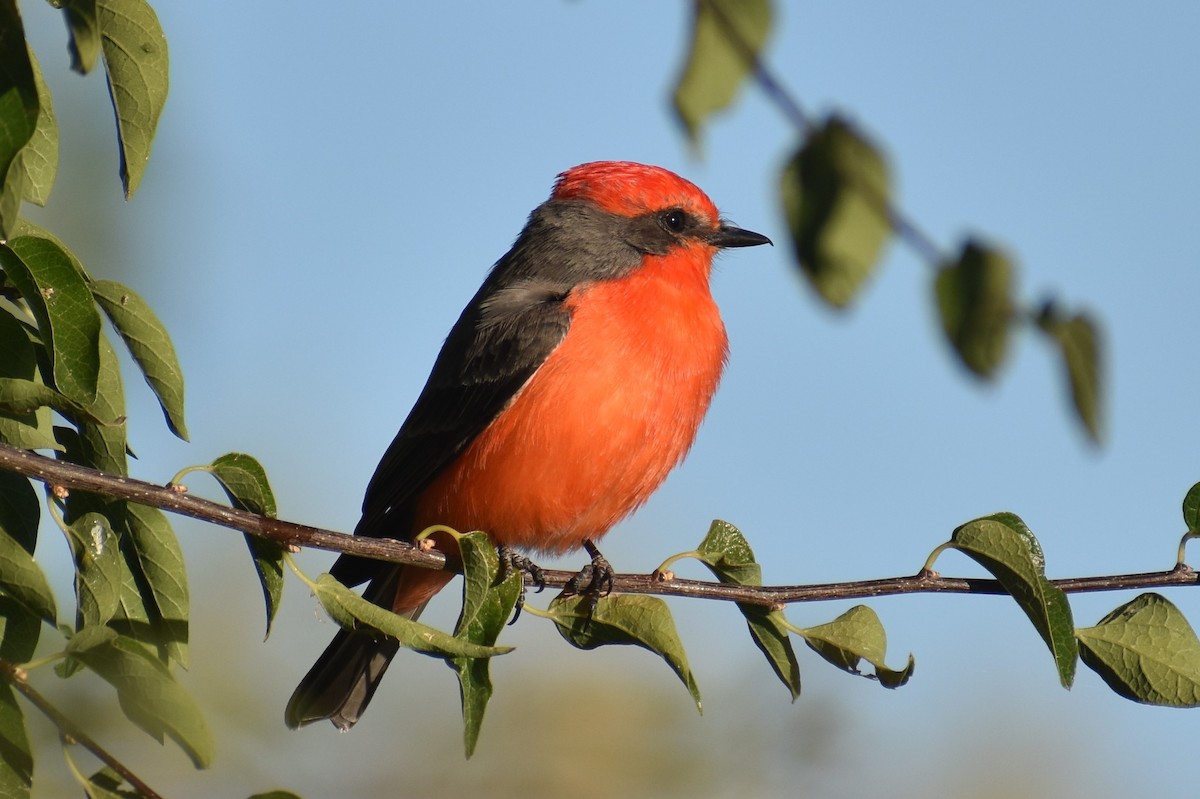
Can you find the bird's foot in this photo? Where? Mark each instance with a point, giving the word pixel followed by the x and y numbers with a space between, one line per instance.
pixel 593 581
pixel 512 561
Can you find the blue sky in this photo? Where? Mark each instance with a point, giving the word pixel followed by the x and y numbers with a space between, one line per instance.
pixel 329 187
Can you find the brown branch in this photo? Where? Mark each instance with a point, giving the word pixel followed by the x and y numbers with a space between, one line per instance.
pixel 16 677
pixel 70 476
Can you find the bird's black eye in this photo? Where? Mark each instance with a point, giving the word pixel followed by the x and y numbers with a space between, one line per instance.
pixel 674 220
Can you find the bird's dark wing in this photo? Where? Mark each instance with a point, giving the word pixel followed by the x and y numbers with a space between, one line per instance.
pixel 499 342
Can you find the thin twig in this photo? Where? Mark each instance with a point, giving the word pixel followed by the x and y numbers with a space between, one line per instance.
pixel 16 677
pixel 790 107
pixel 71 476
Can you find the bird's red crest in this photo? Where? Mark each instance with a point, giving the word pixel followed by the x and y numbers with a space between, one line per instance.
pixel 631 189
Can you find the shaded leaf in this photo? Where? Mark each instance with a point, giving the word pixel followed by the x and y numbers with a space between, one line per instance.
pixel 1078 340
pixel 18 112
pixel 135 56
pixel 150 346
pixel 84 25
pixel 719 59
pixel 835 192
pixel 1146 651
pixel 353 612
pixel 625 619
pixel 16 757
pixel 487 606
pixel 1191 508
pixel 852 637
pixel 975 303
pixel 1006 547
pixel 148 693
pixel 103 445
pixel 20 630
pixel 245 482
pixel 727 554
pixel 63 307
pixel 21 578
pixel 30 429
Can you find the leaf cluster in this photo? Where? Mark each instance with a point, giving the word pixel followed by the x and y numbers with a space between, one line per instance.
pixel 836 193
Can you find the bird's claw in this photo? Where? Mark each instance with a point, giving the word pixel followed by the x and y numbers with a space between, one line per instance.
pixel 593 582
pixel 512 561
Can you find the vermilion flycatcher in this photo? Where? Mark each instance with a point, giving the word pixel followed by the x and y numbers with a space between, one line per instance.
pixel 572 383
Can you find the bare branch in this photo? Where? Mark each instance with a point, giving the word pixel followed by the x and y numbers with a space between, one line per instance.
pixel 70 476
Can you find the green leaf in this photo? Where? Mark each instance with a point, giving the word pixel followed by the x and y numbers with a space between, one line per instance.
pixel 108 784
pixel 84 25
pixel 156 561
pixel 30 429
pixel 726 552
pixel 103 445
pixel 63 307
pixel 487 606
pixel 1006 547
pixel 99 570
pixel 625 619
pixel 720 57
pixel 353 612
pixel 245 482
pixel 135 55
pixel 150 346
pixel 1078 340
pixel 855 636
pixel 18 112
pixel 39 160
pixel 20 630
pixel 1146 651
pixel 1191 508
pixel 835 192
pixel 20 576
pixel 148 693
pixel 16 758
pixel 975 303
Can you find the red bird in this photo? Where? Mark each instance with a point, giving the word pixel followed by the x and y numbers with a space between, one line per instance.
pixel 572 383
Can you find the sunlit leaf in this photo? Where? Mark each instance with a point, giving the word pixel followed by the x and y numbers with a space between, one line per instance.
pixel 727 553
pixel 150 346
pixel 625 619
pixel 245 482
pixel 487 606
pixel 162 581
pixel 64 309
pixel 1146 651
pixel 99 571
pixel 18 112
pixel 353 612
pixel 1006 547
pixel 726 36
pixel 835 192
pixel 976 307
pixel 1191 508
pixel 855 636
pixel 135 56
pixel 39 159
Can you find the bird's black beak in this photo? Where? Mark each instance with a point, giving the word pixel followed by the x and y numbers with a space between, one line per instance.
pixel 730 236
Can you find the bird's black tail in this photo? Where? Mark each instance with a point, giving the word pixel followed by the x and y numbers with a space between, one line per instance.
pixel 341 683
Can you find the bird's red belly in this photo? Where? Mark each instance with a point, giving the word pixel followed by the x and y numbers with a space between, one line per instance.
pixel 598 427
